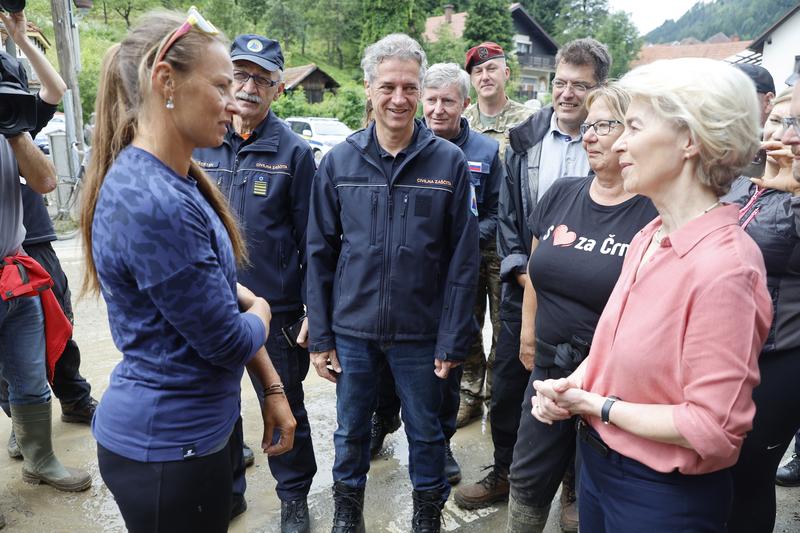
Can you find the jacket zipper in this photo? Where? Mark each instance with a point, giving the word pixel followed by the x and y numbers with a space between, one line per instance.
pixel 386 269
pixel 405 219
pixel 374 219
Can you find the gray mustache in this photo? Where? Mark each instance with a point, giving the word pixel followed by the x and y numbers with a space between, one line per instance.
pixel 241 95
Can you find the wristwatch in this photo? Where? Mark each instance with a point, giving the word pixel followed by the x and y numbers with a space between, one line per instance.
pixel 606 410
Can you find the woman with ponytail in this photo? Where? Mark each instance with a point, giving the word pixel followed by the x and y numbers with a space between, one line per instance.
pixel 161 247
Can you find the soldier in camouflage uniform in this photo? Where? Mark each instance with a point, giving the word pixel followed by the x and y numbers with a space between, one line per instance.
pixel 493 114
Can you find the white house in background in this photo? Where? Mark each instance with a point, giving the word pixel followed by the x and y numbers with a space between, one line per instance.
pixel 779 46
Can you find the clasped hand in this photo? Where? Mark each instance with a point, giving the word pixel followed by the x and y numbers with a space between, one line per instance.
pixel 559 399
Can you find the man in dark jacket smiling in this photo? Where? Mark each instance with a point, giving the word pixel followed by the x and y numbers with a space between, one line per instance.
pixel 392 266
pixel 266 171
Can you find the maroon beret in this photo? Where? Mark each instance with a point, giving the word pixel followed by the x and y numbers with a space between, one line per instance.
pixel 481 54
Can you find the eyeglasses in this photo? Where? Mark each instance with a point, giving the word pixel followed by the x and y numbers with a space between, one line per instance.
pixel 241 76
pixel 579 86
pixel 791 122
pixel 601 127
pixel 193 20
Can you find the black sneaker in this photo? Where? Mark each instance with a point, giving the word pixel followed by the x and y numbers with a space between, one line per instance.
pixel 789 474
pixel 427 511
pixel 238 505
pixel 294 517
pixel 348 510
pixel 380 428
pixel 249 457
pixel 79 414
pixel 451 469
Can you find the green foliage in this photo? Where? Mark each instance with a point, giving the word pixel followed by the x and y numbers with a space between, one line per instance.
pixel 95 40
pixel 580 18
pixel 545 12
pixel 744 18
pixel 489 20
pixel 447 48
pixel 347 105
pixel 383 17
pixel 622 38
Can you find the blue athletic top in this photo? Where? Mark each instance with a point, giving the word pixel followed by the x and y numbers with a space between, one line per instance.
pixel 168 276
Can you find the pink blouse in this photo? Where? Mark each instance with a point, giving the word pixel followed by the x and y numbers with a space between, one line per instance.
pixel 685 331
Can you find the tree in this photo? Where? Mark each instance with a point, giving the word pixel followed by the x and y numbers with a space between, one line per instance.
pixel 580 18
pixel 127 9
pixel 447 48
pixel 545 12
pixel 622 38
pixel 489 20
pixel 383 17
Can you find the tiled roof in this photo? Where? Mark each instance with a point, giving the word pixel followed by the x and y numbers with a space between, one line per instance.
pixel 654 52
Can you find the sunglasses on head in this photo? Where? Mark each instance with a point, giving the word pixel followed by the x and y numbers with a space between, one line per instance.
pixel 193 20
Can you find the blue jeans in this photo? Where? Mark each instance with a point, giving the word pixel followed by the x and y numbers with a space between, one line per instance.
pixel 22 351
pixel 420 392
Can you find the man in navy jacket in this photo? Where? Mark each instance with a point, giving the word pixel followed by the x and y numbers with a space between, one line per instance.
pixel 392 267
pixel 265 170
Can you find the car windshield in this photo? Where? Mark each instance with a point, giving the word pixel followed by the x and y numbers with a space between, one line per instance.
pixel 332 128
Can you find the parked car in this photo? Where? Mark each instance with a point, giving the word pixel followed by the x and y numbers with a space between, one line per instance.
pixel 57 123
pixel 321 133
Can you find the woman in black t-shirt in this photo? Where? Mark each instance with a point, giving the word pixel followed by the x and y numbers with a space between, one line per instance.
pixel 582 228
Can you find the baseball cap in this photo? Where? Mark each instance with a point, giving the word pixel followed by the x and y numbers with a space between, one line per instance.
pixel 482 53
pixel 264 52
pixel 760 76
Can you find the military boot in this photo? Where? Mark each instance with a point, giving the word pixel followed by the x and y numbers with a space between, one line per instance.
pixel 427 511
pixel 294 517
pixel 380 428
pixel 348 509
pixel 789 474
pixel 451 469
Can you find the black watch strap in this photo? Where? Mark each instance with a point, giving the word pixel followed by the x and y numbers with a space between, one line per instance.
pixel 606 410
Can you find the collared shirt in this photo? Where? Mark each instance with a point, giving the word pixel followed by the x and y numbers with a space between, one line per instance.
pixel 685 331
pixel 562 155
pixel 388 161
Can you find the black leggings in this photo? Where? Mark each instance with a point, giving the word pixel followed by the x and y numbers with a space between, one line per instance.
pixel 174 496
pixel 777 418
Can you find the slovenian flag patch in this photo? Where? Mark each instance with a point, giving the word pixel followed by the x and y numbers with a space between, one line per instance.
pixel 476 166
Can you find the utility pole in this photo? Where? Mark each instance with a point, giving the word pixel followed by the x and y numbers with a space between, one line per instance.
pixel 63 25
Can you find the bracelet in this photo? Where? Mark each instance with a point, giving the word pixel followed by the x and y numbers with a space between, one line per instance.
pixel 275 388
pixel 606 410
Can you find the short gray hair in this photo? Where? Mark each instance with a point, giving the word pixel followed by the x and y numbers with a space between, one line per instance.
pixel 587 51
pixel 446 74
pixel 393 46
pixel 715 102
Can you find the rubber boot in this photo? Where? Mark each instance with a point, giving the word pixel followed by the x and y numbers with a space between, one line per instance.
pixel 13 448
pixel 2 521
pixel 525 518
pixel 32 427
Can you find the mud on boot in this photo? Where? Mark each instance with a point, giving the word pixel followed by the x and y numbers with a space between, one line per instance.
pixel 32 426
pixel 348 509
pixel 524 518
pixel 491 489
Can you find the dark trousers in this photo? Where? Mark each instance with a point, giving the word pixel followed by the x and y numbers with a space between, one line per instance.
pixel 388 405
pixel 68 385
pixel 295 469
pixel 777 401
pixel 508 390
pixel 620 495
pixel 543 453
pixel 174 496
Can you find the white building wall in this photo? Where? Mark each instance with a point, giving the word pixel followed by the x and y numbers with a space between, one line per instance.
pixel 781 49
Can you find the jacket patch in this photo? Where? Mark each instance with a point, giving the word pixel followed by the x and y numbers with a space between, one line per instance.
pixel 207 164
pixel 260 186
pixel 473 200
pixel 478 166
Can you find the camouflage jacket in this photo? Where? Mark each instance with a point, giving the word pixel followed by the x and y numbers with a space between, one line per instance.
pixel 512 114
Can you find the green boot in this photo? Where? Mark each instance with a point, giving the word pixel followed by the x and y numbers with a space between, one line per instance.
pixel 525 518
pixel 32 427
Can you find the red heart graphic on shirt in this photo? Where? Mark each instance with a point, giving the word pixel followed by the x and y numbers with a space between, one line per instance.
pixel 562 236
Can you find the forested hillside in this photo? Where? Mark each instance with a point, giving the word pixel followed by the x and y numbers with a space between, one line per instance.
pixel 745 18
